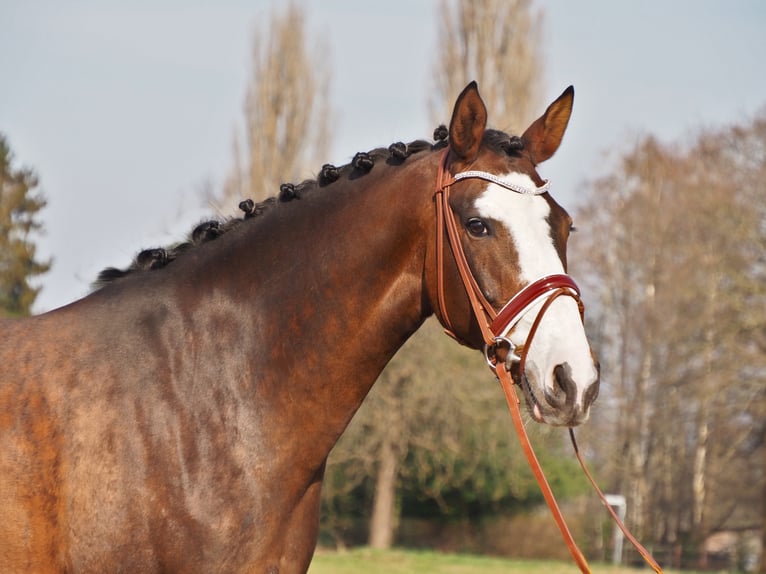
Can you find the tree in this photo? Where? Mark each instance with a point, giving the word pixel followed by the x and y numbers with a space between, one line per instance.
pixel 286 111
pixel 19 206
pixel 673 258
pixel 433 416
pixel 498 43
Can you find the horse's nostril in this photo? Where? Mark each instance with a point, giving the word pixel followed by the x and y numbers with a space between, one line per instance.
pixel 590 394
pixel 560 375
pixel 565 390
pixel 563 396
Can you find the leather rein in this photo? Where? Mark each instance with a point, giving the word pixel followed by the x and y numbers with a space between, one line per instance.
pixel 496 328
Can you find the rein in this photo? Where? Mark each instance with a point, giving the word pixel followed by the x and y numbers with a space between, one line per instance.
pixel 496 328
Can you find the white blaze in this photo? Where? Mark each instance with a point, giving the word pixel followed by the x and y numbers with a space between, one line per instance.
pixel 560 337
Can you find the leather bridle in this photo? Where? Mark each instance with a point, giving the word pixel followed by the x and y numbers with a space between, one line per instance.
pixel 496 328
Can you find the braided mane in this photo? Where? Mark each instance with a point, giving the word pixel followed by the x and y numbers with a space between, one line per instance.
pixel 362 163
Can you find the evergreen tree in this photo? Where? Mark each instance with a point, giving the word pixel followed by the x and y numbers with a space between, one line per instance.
pixel 19 205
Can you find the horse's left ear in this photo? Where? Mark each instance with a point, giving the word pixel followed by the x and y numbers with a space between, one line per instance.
pixel 543 137
pixel 469 118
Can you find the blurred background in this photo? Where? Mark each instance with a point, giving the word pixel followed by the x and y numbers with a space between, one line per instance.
pixel 124 124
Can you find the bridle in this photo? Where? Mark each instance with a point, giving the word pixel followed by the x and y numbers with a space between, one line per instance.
pixel 496 328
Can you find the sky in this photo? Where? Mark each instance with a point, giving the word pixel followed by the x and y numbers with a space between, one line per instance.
pixel 126 110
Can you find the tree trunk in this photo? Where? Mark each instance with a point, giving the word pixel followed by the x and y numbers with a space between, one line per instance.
pixel 383 519
pixel 640 448
pixel 698 480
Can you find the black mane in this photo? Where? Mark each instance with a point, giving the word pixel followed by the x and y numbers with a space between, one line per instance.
pixel 362 163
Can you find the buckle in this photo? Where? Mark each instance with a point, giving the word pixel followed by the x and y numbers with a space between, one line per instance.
pixel 491 357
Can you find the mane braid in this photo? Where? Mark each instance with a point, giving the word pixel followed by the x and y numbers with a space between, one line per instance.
pixel 362 163
pixel 502 142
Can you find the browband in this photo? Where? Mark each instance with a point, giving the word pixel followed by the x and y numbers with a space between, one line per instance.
pixel 501 182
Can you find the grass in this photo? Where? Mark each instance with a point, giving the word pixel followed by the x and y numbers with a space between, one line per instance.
pixel 367 561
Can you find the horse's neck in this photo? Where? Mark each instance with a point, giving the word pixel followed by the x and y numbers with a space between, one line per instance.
pixel 335 285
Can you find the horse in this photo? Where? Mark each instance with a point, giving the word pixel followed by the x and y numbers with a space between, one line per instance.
pixel 179 417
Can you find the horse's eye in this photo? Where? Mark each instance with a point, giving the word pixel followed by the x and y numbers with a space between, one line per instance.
pixel 477 227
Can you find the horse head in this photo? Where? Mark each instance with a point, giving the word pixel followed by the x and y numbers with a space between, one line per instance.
pixel 510 234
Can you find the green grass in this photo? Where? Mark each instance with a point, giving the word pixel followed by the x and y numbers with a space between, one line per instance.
pixel 367 561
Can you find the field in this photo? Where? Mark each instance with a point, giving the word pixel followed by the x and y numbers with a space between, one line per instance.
pixel 368 561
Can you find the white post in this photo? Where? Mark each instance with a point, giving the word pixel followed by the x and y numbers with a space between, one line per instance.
pixel 618 502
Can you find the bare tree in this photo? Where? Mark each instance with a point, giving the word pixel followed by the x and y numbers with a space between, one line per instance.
pixel 498 43
pixel 286 111
pixel 674 257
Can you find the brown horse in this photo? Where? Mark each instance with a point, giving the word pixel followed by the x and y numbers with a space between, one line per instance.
pixel 178 419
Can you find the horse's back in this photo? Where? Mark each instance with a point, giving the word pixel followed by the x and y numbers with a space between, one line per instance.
pixel 67 450
pixel 119 450
pixel 31 449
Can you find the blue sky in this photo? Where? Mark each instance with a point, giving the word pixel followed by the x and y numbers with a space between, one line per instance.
pixel 126 109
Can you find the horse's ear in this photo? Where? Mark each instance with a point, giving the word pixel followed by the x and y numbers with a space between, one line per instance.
pixel 469 118
pixel 543 137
